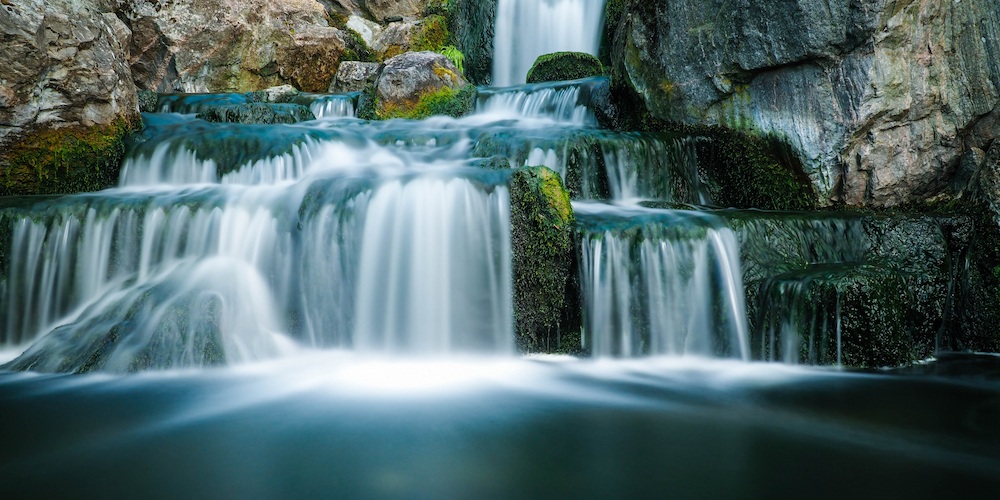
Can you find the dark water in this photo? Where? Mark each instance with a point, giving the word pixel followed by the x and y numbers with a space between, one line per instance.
pixel 336 425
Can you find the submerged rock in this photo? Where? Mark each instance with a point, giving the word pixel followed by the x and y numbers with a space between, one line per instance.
pixel 878 100
pixel 66 98
pixel 417 85
pixel 542 238
pixel 261 113
pixel 201 46
pixel 354 76
pixel 561 66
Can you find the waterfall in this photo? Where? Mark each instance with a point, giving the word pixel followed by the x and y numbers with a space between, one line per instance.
pixel 526 29
pixel 660 282
pixel 565 102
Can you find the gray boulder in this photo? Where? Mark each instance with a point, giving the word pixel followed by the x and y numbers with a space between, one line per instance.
pixel 354 76
pixel 382 9
pixel 420 84
pixel 878 99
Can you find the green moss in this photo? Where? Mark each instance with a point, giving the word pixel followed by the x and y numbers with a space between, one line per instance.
pixel 64 160
pixel 444 102
pixel 433 34
pixel 561 66
pixel 541 234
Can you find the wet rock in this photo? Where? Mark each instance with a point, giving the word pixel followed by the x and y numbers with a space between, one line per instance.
pixel 878 100
pixel 542 244
pixel 417 85
pixel 561 66
pixel 354 76
pixel 279 94
pixel 473 37
pixel 260 113
pixel 201 46
pixel 66 98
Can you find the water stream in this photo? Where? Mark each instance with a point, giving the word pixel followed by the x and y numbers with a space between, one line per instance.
pixel 326 309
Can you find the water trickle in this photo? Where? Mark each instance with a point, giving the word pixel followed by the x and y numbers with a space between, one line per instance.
pixel 526 29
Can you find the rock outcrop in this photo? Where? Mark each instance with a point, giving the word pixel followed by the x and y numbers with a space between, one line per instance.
pixel 878 99
pixel 418 85
pixel 385 9
pixel 237 45
pixel 66 96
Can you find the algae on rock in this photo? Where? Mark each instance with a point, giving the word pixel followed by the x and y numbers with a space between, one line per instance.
pixel 561 66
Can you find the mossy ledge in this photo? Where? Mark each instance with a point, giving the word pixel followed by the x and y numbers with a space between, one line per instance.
pixel 542 223
pixel 65 160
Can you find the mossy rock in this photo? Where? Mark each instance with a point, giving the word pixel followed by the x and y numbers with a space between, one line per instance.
pixel 856 315
pixel 258 112
pixel 65 160
pixel 542 224
pixel 443 102
pixel 561 66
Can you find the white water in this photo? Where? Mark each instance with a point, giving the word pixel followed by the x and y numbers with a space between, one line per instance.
pixel 560 101
pixel 526 29
pixel 333 106
pixel 657 291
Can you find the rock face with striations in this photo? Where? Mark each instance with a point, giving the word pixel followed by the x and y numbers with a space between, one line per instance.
pixel 66 96
pixel 879 99
pixel 235 45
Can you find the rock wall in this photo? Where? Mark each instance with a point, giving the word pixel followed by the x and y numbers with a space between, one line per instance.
pixel 235 45
pixel 878 98
pixel 66 95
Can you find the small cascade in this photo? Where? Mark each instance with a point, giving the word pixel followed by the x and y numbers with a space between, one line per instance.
pixel 660 282
pixel 565 102
pixel 602 165
pixel 334 106
pixel 526 29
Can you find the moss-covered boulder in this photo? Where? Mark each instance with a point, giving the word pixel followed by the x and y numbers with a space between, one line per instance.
pixel 561 66
pixel 262 113
pixel 542 238
pixel 417 85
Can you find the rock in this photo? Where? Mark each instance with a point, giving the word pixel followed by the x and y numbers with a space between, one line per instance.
pixel 382 9
pixel 66 97
pixel 561 66
pixel 878 100
pixel 542 245
pixel 147 101
pixel 418 85
pixel 236 45
pixel 430 33
pixel 354 76
pixel 368 30
pixel 261 113
pixel 474 37
pixel 279 94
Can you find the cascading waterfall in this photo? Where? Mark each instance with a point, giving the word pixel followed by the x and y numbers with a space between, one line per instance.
pixel 660 282
pixel 526 29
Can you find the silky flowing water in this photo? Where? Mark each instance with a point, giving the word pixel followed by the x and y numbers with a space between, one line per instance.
pixel 326 309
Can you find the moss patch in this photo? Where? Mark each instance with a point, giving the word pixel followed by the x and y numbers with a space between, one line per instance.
pixel 444 102
pixel 542 238
pixel 561 66
pixel 65 160
pixel 433 34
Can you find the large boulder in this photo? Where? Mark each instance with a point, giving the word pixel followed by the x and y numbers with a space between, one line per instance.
pixel 418 85
pixel 878 99
pixel 561 66
pixel 66 96
pixel 237 45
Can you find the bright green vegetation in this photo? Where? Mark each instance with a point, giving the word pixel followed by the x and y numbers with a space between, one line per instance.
pixel 455 56
pixel 561 66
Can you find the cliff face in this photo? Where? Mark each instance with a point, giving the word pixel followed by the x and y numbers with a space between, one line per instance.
pixel 878 98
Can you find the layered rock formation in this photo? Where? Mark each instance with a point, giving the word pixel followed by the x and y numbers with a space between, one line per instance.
pixel 879 99
pixel 237 45
pixel 66 95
